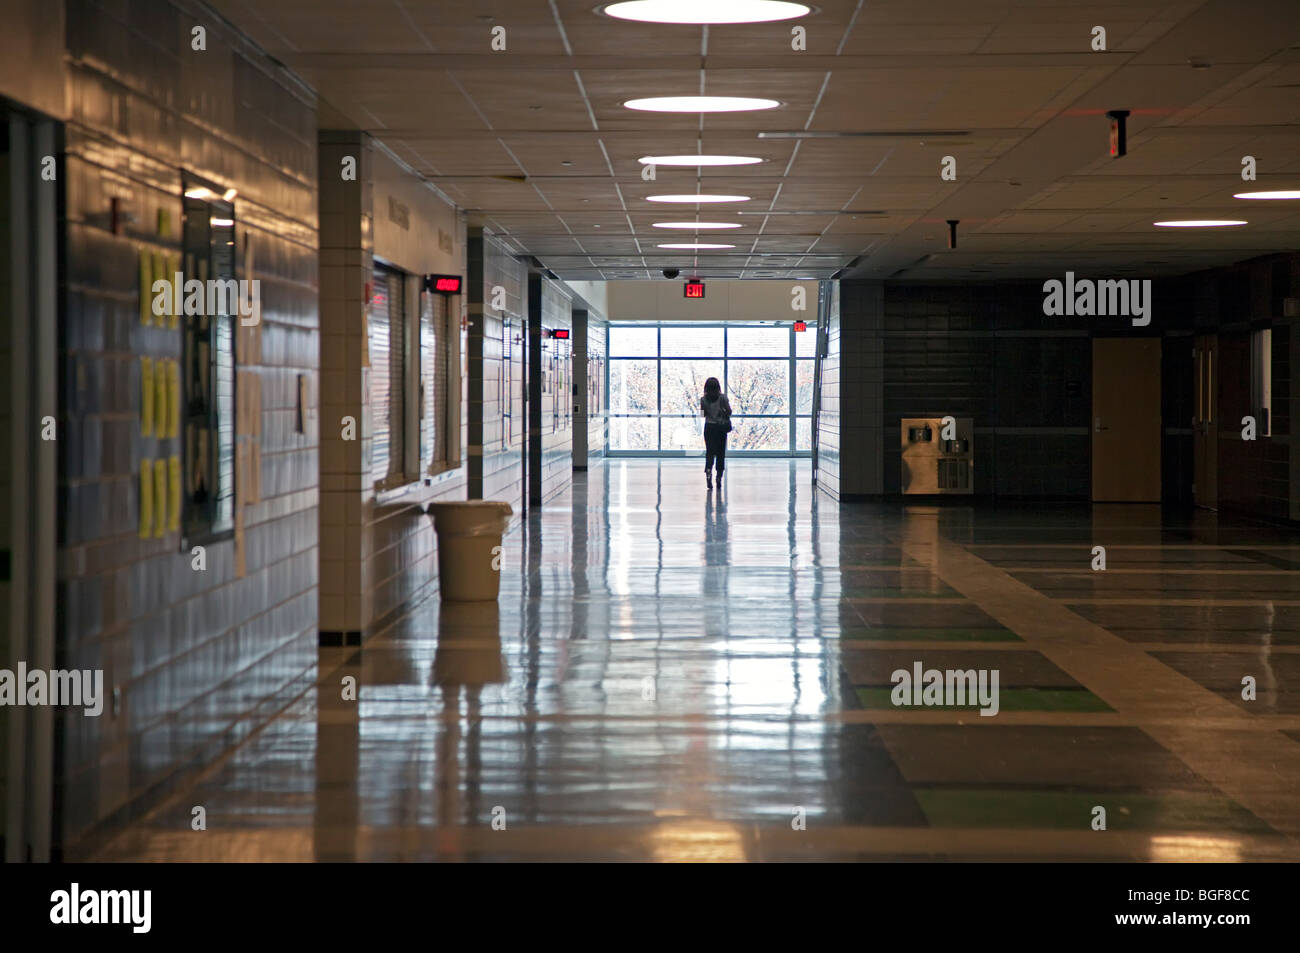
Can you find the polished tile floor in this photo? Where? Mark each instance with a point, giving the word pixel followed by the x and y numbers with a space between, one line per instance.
pixel 677 674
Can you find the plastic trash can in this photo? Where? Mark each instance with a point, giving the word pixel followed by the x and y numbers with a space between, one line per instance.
pixel 468 532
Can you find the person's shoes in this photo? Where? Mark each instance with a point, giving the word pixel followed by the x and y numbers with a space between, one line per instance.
pixel 708 478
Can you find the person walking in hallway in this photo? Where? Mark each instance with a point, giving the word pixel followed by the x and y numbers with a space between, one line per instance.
pixel 716 410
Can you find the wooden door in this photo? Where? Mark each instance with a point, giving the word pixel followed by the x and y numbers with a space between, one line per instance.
pixel 1126 420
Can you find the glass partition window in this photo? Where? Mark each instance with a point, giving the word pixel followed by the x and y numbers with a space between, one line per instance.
pixel 657 374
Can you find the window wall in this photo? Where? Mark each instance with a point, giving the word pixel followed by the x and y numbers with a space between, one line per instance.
pixel 657 374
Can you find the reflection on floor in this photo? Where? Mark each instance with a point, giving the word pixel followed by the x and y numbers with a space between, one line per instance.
pixel 674 674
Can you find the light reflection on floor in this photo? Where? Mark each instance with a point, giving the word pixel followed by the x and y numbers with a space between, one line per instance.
pixel 672 674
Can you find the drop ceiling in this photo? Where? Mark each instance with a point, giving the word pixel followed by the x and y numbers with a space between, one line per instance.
pixel 535 144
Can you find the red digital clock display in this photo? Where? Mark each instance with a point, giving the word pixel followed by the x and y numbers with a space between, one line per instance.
pixel 443 284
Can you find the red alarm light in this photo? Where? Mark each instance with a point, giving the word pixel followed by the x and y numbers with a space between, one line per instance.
pixel 694 289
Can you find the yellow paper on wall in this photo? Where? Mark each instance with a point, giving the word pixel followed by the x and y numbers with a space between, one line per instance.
pixel 146 498
pixel 146 286
pixel 161 399
pixel 173 400
pixel 173 267
pixel 146 397
pixel 159 498
pixel 174 494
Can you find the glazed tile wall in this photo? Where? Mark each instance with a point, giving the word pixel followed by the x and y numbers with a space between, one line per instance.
pixel 346 242
pixel 197 658
pixel 989 352
pixel 590 360
pixel 550 389
pixel 6 461
pixel 828 415
pixel 31 55
pixel 497 352
pixel 420 232
pixel 378 549
pixel 861 381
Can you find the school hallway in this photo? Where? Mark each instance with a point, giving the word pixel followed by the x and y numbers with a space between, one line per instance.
pixel 675 674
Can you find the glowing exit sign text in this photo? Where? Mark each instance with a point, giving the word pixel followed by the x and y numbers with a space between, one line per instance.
pixel 694 289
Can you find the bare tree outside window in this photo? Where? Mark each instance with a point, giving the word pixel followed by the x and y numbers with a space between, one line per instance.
pixel 657 375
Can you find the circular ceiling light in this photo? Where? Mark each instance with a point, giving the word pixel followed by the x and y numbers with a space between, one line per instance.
pixel 1281 194
pixel 700 104
pixel 697 225
pixel 1200 223
pixel 697 199
pixel 698 160
pixel 694 245
pixel 706 11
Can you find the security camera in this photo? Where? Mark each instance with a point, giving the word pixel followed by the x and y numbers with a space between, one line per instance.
pixel 671 272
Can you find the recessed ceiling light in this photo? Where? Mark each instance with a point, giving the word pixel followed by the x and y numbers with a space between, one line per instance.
pixel 695 245
pixel 706 11
pixel 697 225
pixel 698 160
pixel 701 104
pixel 1278 194
pixel 698 199
pixel 1200 223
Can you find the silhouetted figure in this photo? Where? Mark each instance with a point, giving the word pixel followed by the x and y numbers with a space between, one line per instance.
pixel 716 410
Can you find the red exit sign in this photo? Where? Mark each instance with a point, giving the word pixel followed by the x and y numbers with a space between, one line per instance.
pixel 560 334
pixel 801 326
pixel 694 289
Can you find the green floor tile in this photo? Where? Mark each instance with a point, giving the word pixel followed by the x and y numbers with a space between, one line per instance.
pixel 1009 699
pixel 948 807
pixel 895 634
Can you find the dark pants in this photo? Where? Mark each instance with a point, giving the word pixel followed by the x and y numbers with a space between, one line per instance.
pixel 715 446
